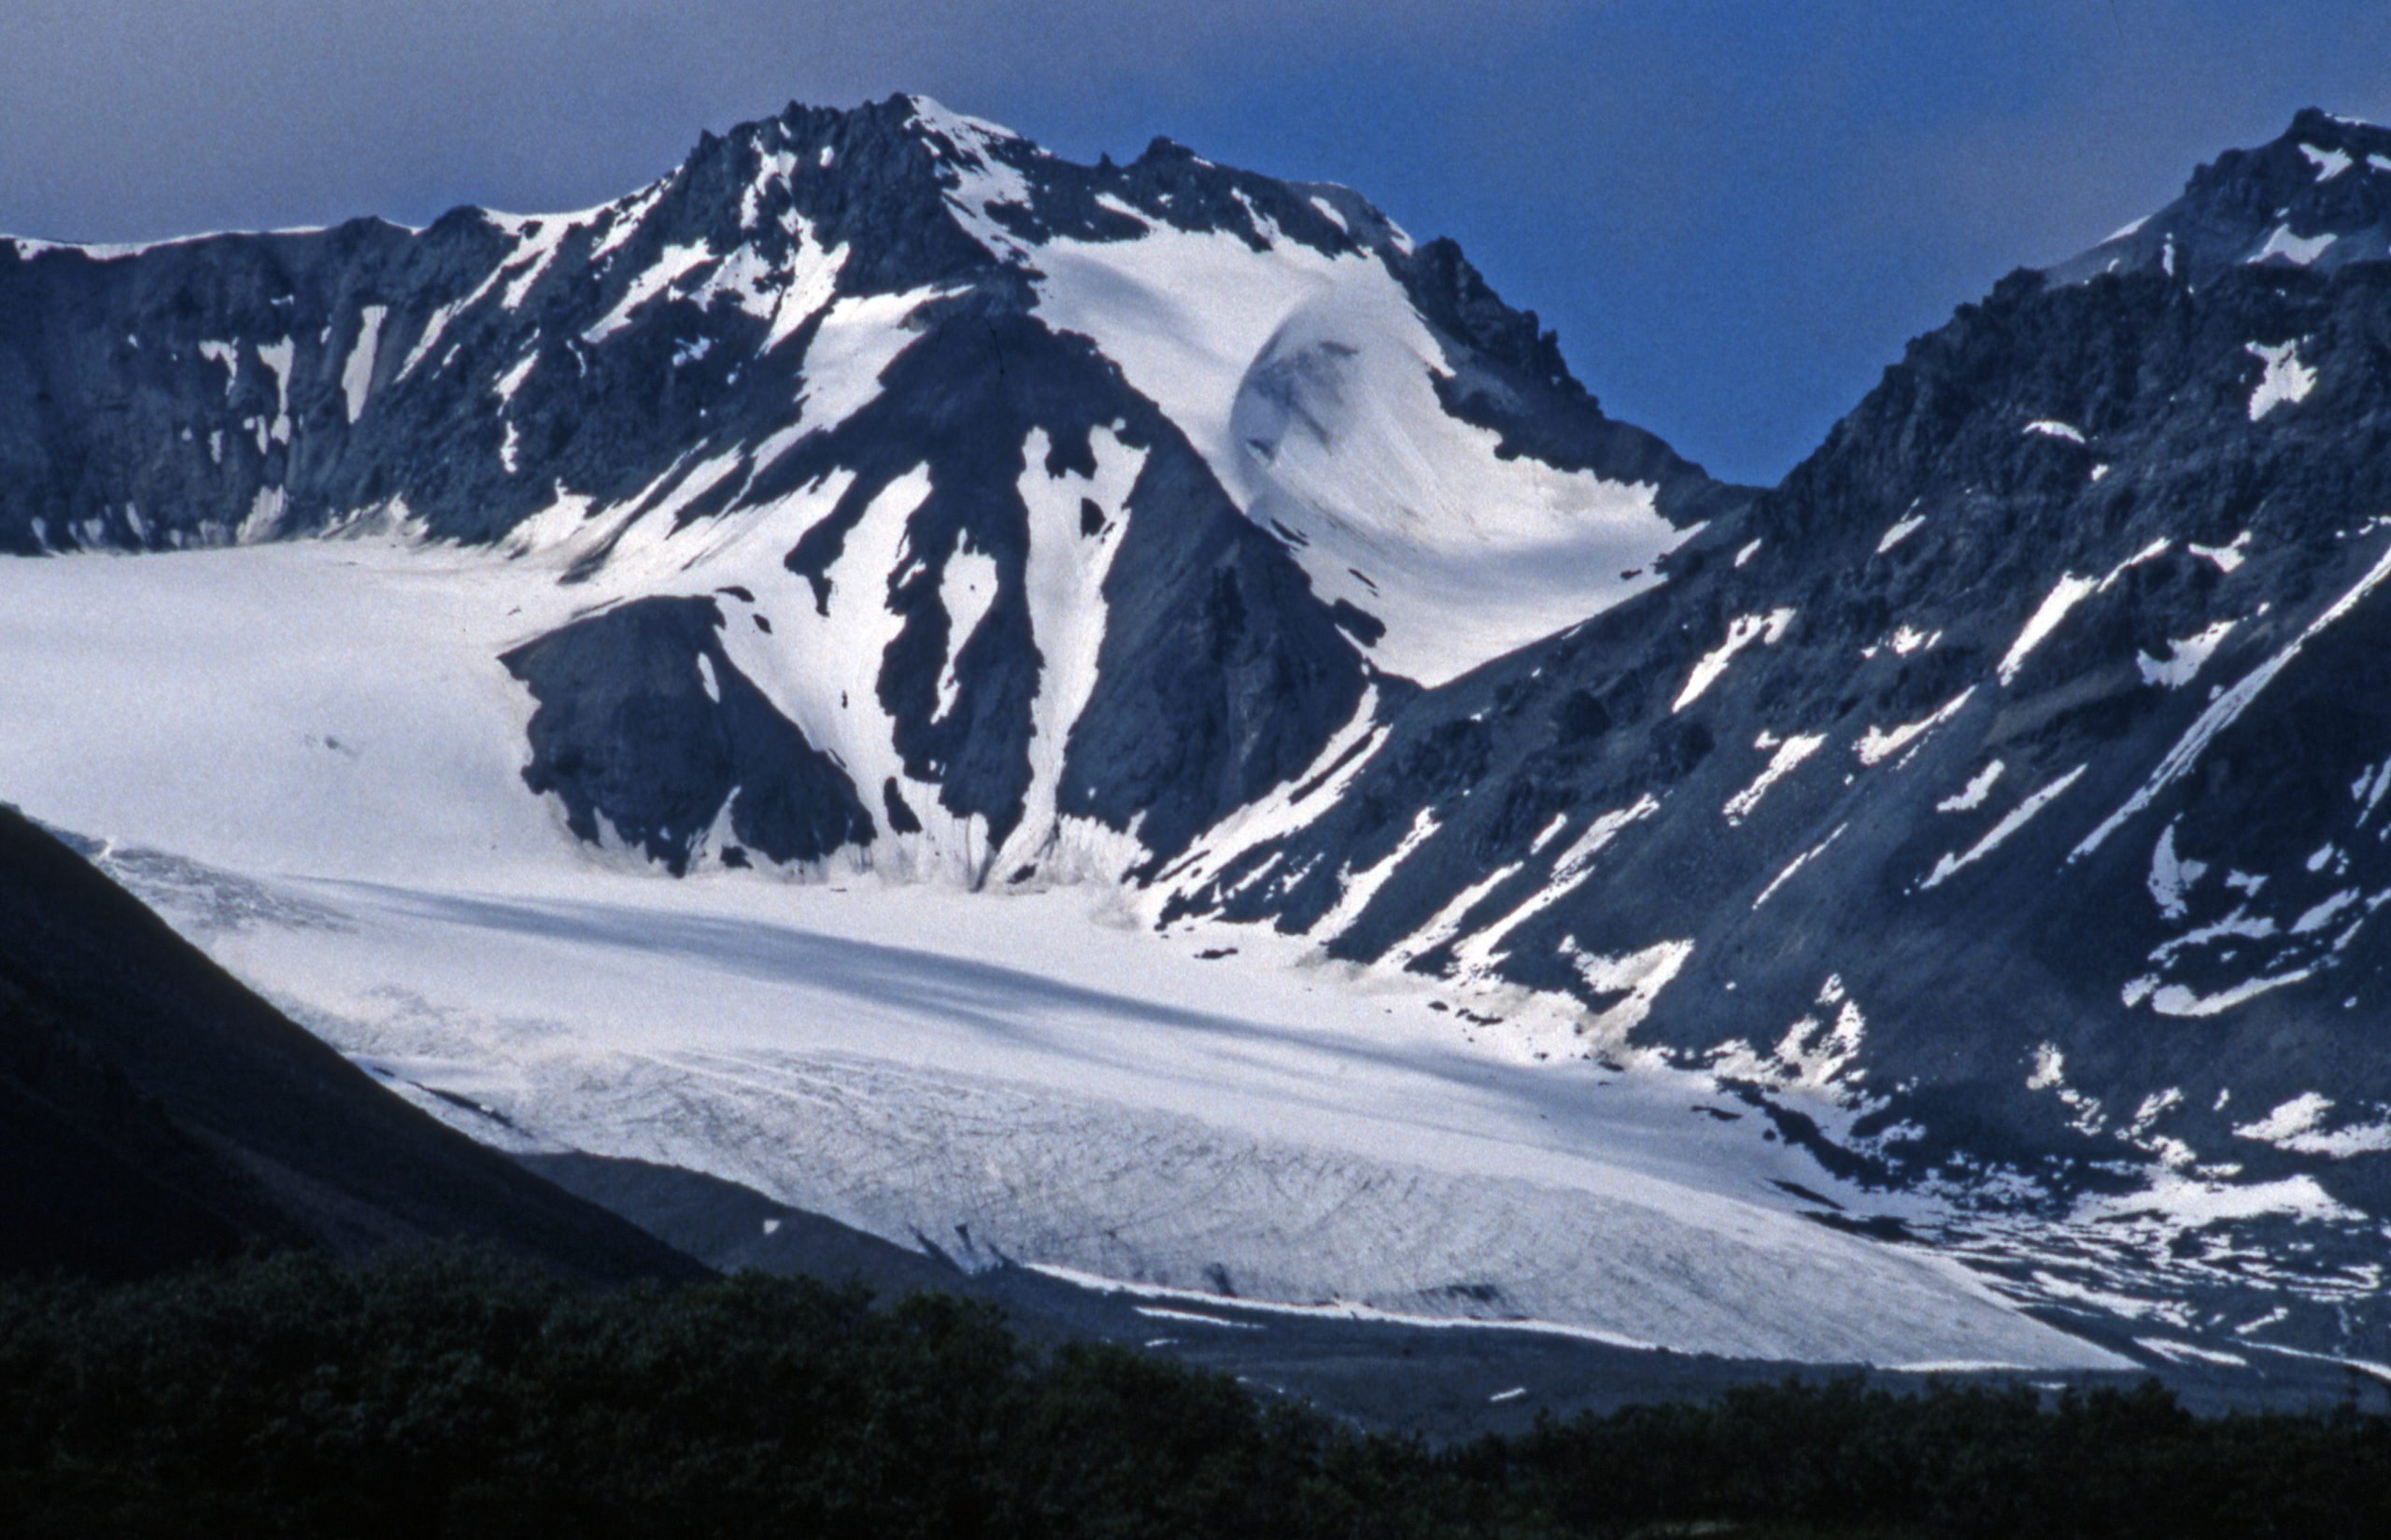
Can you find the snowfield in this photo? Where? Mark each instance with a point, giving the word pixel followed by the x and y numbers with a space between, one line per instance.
pixel 1306 383
pixel 308 757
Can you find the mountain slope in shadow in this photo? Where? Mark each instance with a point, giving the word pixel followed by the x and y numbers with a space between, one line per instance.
pixel 154 1112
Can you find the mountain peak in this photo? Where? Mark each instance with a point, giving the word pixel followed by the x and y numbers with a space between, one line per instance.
pixel 930 115
pixel 2315 122
pixel 1400 440
pixel 2318 195
pixel 1163 148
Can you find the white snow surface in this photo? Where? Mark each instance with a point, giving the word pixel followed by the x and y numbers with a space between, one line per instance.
pixel 2299 251
pixel 1742 632
pixel 331 805
pixel 1879 744
pixel 2190 1202
pixel 2068 591
pixel 2286 381
pixel 980 179
pixel 967 587
pixel 676 263
pixel 277 356
pixel 1793 866
pixel 517 373
pixel 1786 759
pixel 2330 163
pixel 2017 819
pixel 356 375
pixel 1971 797
pixel 1899 532
pixel 2185 656
pixel 2171 875
pixel 1475 957
pixel 1306 382
pixel 2298 1125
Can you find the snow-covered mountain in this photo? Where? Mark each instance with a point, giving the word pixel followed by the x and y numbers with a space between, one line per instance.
pixel 1988 819
pixel 949 503
pixel 2005 789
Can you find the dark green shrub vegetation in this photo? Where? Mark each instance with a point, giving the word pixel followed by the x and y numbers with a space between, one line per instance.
pixel 452 1395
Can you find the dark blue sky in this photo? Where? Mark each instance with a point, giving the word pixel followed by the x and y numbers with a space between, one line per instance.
pixel 1733 211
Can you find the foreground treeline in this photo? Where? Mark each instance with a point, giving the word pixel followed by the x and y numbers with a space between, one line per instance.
pixel 453 1396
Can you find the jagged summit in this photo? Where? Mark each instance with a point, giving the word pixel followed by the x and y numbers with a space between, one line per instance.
pixel 693 349
pixel 2319 196
pixel 929 500
pixel 859 175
